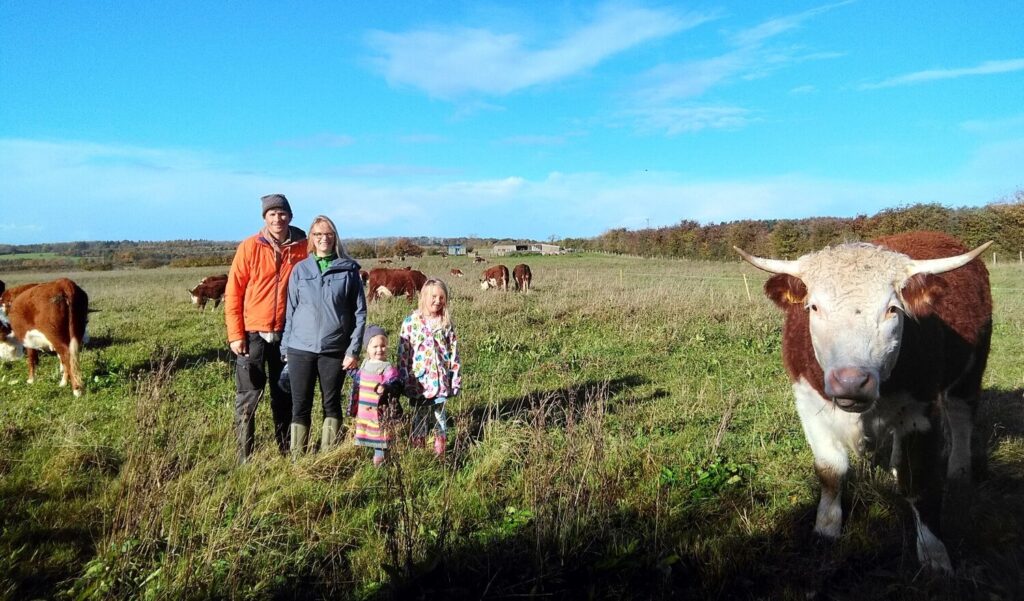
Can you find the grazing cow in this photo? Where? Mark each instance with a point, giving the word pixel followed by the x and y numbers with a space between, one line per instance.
pixel 494 277
pixel 479 260
pixel 456 272
pixel 383 261
pixel 49 316
pixel 8 296
pixel 886 344
pixel 522 276
pixel 209 288
pixel 394 282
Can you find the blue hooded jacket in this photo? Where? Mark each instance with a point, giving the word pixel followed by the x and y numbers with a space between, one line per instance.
pixel 326 312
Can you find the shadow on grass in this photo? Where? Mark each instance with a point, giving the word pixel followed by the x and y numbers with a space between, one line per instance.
pixel 556 404
pixel 668 554
pixel 41 549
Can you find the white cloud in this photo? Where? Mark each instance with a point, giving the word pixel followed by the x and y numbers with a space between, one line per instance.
pixel 985 68
pixel 993 126
pixel 459 61
pixel 321 140
pixel 751 56
pixel 78 193
pixel 678 120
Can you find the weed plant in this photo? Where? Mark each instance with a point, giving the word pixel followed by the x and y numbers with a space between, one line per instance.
pixel 626 430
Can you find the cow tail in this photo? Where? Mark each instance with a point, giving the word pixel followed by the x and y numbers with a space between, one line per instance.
pixel 78 316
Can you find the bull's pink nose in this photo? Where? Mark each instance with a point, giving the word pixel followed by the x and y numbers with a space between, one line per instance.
pixel 851 383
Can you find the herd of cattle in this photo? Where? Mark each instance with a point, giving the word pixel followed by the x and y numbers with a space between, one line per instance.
pixel 885 344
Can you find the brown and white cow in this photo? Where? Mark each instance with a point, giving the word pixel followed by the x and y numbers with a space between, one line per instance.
pixel 479 260
pixel 455 272
pixel 385 283
pixel 209 288
pixel 886 344
pixel 521 277
pixel 50 316
pixel 494 277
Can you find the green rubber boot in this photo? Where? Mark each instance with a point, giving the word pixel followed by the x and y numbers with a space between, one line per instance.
pixel 299 436
pixel 329 434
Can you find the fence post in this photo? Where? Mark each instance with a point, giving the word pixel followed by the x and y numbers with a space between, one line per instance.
pixel 747 286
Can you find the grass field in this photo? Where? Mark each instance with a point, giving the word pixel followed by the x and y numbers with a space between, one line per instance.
pixel 625 431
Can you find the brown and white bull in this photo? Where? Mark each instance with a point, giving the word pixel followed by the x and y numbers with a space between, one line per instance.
pixel 209 288
pixel 521 277
pixel 886 344
pixel 456 272
pixel 49 316
pixel 494 277
pixel 385 283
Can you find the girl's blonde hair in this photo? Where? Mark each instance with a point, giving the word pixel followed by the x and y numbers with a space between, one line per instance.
pixel 446 317
pixel 339 250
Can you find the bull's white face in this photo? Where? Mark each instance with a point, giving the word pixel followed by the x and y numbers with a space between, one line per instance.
pixel 194 298
pixel 856 319
pixel 488 283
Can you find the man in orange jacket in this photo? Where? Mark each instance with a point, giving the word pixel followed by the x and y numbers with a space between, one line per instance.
pixel 254 309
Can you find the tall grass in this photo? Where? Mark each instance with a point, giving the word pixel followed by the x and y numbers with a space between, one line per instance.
pixel 626 431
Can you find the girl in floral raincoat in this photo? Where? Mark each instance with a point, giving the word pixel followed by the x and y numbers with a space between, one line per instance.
pixel 428 364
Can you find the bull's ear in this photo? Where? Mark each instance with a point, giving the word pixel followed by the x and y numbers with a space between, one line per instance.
pixel 921 292
pixel 785 290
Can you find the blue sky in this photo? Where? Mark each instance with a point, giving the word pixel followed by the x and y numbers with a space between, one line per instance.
pixel 168 120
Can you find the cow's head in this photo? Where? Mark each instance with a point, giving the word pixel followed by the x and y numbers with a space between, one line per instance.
pixel 857 297
pixel 487 282
pixel 11 348
pixel 193 296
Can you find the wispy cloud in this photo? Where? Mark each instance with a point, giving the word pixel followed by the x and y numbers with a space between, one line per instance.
pixel 422 139
pixel 194 197
pixel 987 126
pixel 679 120
pixel 985 68
pixel 750 55
pixel 372 170
pixel 757 35
pixel 449 63
pixel 321 140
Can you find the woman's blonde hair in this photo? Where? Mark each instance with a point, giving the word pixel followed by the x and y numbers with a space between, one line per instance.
pixel 339 250
pixel 446 317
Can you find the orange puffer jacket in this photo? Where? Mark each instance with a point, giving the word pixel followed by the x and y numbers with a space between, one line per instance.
pixel 256 294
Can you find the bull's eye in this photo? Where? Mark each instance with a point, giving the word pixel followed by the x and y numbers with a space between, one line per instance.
pixel 812 308
pixel 892 311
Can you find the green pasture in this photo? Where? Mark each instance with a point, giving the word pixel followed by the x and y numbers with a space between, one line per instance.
pixel 33 256
pixel 626 430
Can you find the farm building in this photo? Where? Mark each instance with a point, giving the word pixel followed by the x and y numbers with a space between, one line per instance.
pixel 533 247
pixel 456 250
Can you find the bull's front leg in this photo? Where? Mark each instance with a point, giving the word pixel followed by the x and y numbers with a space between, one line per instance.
pixel 822 424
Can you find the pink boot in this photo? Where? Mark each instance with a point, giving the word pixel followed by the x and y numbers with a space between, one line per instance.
pixel 440 442
pixel 378 460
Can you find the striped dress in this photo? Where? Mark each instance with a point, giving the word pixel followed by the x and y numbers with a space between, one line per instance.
pixel 370 431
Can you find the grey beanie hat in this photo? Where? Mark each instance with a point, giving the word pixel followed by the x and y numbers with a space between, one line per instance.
pixel 275 201
pixel 371 331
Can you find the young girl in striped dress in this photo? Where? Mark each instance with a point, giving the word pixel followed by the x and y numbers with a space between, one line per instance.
pixel 375 390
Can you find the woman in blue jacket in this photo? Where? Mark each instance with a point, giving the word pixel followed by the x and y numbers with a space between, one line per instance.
pixel 323 331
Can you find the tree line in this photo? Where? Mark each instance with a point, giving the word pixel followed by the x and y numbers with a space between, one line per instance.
pixel 1001 221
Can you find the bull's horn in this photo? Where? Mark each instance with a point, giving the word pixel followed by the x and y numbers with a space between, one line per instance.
pixel 946 263
pixel 770 265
